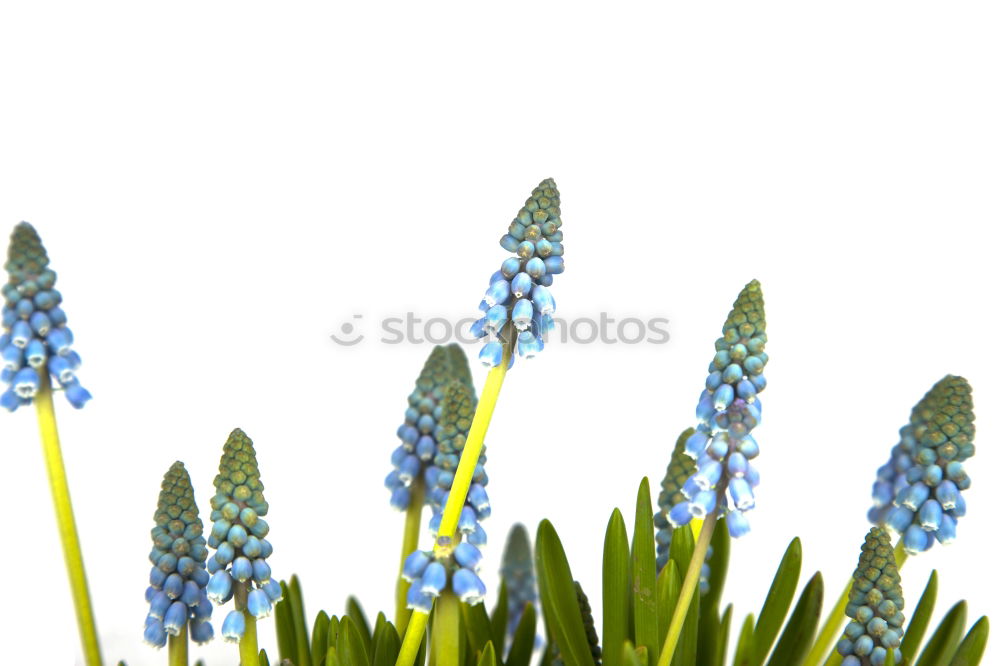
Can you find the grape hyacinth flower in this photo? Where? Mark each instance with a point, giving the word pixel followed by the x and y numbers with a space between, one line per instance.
pixel 415 455
pixel 517 571
pixel 239 566
pixel 430 572
pixel 519 292
pixel 36 342
pixel 925 477
pixel 728 410
pixel 679 470
pixel 176 592
pixel 875 606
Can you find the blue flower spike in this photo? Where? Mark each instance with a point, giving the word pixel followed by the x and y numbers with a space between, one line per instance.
pixel 177 581
pixel 518 305
pixel 429 573
pixel 239 566
pixel 517 571
pixel 918 493
pixel 728 410
pixel 415 456
pixel 35 339
pixel 875 606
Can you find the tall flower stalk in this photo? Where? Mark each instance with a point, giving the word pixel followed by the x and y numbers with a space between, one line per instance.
pixel 517 313
pixel 722 444
pixel 36 349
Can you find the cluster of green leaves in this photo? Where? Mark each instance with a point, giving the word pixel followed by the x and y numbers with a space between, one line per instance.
pixel 350 640
pixel 946 645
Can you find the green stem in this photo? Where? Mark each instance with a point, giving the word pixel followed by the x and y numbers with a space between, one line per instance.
pixel 470 455
pixel 445 631
pixel 177 648
pixel 72 552
pixel 411 539
pixel 834 623
pixel 688 589
pixel 415 630
pixel 249 654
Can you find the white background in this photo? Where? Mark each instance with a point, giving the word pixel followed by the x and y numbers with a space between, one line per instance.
pixel 221 185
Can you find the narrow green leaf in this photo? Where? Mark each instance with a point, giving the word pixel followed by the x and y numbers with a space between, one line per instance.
pixel 687 644
pixel 283 626
pixel 333 632
pixel 708 634
pixel 386 645
pixel 498 619
pixel 615 588
pixel 331 657
pixel 262 658
pixel 357 613
pixel 727 619
pixel 682 544
pixel 668 588
pixel 797 638
pixel 644 574
pixel 489 657
pixel 559 601
pixel 915 629
pixel 779 599
pixel 970 651
pixel 477 626
pixel 944 641
pixel 890 658
pixel 351 646
pixel 319 637
pixel 523 643
pixel 631 656
pixel 718 565
pixel 744 644
pixel 297 607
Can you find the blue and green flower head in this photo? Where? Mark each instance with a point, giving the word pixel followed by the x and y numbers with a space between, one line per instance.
pixel 925 475
pixel 35 339
pixel 414 457
pixel 176 592
pixel 875 606
pixel 458 565
pixel 728 410
pixel 518 306
pixel 517 570
pixel 238 535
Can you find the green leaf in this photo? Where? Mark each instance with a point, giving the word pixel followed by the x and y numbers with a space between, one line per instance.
pixel 489 657
pixel 615 588
pixel 708 634
pixel 914 631
pixel 779 598
pixel 297 608
pixel 682 544
pixel 633 657
pixel 970 651
pixel 283 625
pixel 351 646
pixel 727 619
pixel 262 658
pixel 331 657
pixel 800 630
pixel 718 565
pixel 944 641
pixel 386 645
pixel 498 619
pixel 644 574
pixel 559 601
pixel 356 613
pixel 687 644
pixel 668 588
pixel 477 626
pixel 523 643
pixel 744 644
pixel 321 628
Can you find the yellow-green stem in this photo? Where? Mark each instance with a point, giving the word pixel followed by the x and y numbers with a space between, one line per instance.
pixel 470 454
pixel 177 648
pixel 415 630
pixel 249 654
pixel 834 623
pixel 411 538
pixel 66 523
pixel 688 590
pixel 445 631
